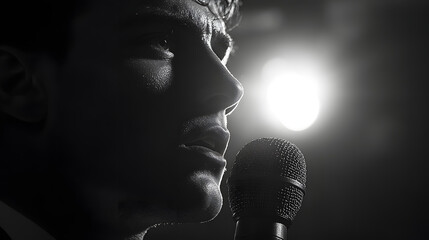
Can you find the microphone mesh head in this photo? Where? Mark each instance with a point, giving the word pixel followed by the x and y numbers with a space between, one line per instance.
pixel 267 180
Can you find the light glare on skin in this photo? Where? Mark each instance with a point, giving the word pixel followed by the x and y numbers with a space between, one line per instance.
pixel 163 73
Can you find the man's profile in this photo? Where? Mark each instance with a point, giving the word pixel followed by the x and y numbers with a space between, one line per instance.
pixel 113 113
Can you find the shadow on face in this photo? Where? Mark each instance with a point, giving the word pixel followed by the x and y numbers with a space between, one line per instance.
pixel 129 128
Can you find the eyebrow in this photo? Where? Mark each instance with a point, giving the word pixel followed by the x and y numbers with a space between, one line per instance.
pixel 183 20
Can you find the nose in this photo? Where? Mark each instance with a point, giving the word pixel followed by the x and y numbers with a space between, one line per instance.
pixel 213 88
pixel 223 90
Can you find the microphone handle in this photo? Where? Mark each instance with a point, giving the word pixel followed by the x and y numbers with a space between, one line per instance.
pixel 259 229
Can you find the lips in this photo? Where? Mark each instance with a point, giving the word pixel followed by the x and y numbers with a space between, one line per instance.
pixel 201 149
pixel 214 138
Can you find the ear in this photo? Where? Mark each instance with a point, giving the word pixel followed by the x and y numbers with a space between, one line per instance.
pixel 21 95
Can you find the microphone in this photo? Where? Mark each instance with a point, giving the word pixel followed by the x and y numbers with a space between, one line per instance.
pixel 266 188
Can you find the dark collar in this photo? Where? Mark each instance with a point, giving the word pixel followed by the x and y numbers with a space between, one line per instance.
pixel 3 235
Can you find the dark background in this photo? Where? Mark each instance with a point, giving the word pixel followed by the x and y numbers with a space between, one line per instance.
pixel 367 152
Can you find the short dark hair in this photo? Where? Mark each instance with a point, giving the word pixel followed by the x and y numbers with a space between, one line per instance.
pixel 227 10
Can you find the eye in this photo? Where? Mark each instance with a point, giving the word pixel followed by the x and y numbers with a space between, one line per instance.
pixel 153 45
pixel 162 42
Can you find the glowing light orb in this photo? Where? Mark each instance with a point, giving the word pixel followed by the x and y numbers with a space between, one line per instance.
pixel 292 97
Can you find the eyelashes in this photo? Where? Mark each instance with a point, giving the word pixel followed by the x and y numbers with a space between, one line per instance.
pixel 152 45
pixel 163 41
pixel 161 44
pixel 165 44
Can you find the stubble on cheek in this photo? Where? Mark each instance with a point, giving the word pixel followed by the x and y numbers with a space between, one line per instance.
pixel 156 75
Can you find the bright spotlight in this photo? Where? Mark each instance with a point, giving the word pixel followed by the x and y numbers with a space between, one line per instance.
pixel 292 95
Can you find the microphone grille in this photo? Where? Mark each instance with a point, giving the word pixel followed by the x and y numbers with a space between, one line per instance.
pixel 267 180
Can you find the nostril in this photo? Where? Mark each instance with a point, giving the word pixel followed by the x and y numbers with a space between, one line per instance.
pixel 217 102
pixel 230 109
pixel 227 99
pixel 222 102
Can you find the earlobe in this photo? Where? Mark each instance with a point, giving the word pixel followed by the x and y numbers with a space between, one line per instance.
pixel 21 95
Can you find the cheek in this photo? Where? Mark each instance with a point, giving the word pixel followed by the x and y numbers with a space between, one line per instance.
pixel 155 75
pixel 118 114
pixel 150 100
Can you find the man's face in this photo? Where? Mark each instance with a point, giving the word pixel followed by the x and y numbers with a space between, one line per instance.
pixel 139 110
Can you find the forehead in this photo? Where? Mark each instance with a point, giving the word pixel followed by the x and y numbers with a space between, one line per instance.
pixel 183 12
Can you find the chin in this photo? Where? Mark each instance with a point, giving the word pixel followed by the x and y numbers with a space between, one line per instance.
pixel 198 200
pixel 193 199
